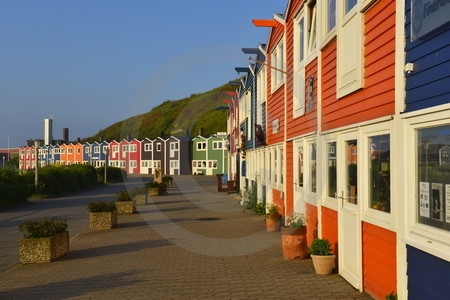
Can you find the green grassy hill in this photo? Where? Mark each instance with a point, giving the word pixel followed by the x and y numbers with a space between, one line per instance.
pixel 174 118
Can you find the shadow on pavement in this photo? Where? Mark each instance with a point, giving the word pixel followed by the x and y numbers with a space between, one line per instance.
pixel 72 288
pixel 115 249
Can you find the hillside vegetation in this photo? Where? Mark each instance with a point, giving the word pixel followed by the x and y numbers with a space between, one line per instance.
pixel 180 118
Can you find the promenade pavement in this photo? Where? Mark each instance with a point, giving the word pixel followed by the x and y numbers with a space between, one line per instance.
pixel 193 243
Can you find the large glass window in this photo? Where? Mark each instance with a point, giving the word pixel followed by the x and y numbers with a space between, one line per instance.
pixel 379 173
pixel 300 166
pixel 349 4
pixel 352 171
pixel 433 166
pixel 331 15
pixel 331 172
pixel 313 168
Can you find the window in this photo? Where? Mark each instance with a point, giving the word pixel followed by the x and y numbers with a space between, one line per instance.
pixel 147 147
pixel 194 163
pixel 78 150
pixel 352 171
pixel 174 146
pixel 158 147
pixel 133 164
pixel 349 4
pixel 87 150
pixel 133 148
pixel 217 145
pixel 313 168
pixel 115 148
pixel 275 168
pixel 379 173
pixel 331 15
pixel 125 148
pixel 277 63
pixel 300 166
pixel 331 170
pixel 97 149
pixel 433 166
pixel 201 146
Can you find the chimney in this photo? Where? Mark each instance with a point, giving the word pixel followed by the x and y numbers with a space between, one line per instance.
pixel 201 132
pixel 187 132
pixel 79 140
pixel 162 134
pixel 101 138
pixel 65 135
pixel 128 137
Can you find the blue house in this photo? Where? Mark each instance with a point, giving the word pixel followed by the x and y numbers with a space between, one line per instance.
pixel 426 122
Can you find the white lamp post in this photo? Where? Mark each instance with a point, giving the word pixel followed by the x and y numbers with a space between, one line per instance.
pixel 106 150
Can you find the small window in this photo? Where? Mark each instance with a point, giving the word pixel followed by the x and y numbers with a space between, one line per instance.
pixel 158 147
pixel 331 15
pixel 313 168
pixel 380 173
pixel 331 170
pixel 277 63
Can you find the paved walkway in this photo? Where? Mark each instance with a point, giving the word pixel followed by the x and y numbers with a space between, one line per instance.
pixel 193 243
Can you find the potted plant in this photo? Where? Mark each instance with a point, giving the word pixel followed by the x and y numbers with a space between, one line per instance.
pixel 103 215
pixel 43 241
pixel 294 237
pixel 155 188
pixel 139 195
pixel 167 180
pixel 322 256
pixel 125 204
pixel 272 218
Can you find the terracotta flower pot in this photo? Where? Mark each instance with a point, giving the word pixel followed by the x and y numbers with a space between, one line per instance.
pixel 273 222
pixel 323 264
pixel 294 243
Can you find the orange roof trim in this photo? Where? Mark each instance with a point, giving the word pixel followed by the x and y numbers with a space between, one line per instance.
pixel 265 23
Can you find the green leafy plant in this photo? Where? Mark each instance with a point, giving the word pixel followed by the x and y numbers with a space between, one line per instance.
pixel 113 174
pixel 320 247
pixel 43 228
pixel 162 188
pixel 295 220
pixel 100 206
pixel 137 191
pixel 391 296
pixel 123 196
pixel 272 208
pixel 252 197
pixel 260 208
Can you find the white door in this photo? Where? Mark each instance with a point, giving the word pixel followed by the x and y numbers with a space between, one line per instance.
pixel 349 228
pixel 299 176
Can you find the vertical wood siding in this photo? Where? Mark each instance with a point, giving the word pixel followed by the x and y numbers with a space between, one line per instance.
pixel 311 223
pixel 275 101
pixel 377 97
pixel 428 276
pixel 428 85
pixel 379 261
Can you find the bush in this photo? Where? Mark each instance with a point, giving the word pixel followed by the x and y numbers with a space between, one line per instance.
pixel 43 228
pixel 260 208
pixel 295 220
pixel 272 208
pixel 15 187
pixel 320 247
pixel 113 174
pixel 137 191
pixel 123 196
pixel 100 206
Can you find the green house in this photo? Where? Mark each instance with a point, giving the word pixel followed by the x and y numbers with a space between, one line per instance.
pixel 210 154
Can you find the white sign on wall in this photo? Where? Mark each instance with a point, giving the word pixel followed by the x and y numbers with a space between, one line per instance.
pixel 275 126
pixel 427 15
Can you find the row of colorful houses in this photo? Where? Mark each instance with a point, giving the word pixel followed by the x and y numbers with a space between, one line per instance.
pixel 174 155
pixel 344 115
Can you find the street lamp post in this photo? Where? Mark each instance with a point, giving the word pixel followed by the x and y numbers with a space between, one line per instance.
pixel 36 176
pixel 3 161
pixel 106 162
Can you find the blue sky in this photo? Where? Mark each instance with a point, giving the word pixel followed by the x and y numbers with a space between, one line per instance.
pixel 91 63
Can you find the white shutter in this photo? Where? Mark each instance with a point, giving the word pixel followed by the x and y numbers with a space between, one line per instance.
pixel 349 52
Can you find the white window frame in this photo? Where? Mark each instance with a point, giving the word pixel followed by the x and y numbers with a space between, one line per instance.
pixel 327 33
pixel 201 146
pixel 158 147
pixel 148 147
pixel 330 202
pixel 278 61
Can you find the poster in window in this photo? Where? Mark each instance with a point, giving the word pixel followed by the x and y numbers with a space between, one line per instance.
pixel 447 203
pixel 437 203
pixel 424 199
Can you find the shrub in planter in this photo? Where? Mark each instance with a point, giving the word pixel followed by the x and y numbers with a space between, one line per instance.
pixel 43 241
pixel 113 174
pixel 125 204
pixel 155 188
pixel 167 180
pixel 272 218
pixel 103 215
pixel 322 256
pixel 294 237
pixel 139 195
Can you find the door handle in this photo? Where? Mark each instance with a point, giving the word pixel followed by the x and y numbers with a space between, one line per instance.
pixel 342 198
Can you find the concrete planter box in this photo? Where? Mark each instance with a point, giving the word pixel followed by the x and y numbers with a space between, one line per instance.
pixel 153 191
pixel 140 199
pixel 103 220
pixel 41 250
pixel 126 207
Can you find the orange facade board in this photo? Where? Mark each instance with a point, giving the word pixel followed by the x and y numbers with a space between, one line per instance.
pixel 330 227
pixel 377 97
pixel 379 261
pixel 78 154
pixel 289 167
pixel 278 199
pixel 63 157
pixel 70 154
pixel 311 223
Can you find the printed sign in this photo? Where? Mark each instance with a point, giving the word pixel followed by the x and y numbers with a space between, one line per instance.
pixel 447 203
pixel 424 199
pixel 427 15
pixel 437 203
